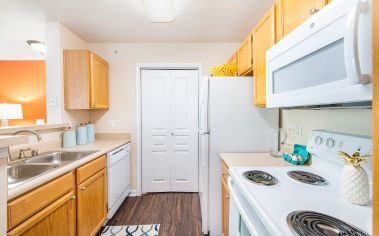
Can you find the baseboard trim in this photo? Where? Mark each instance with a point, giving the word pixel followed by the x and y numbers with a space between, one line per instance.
pixel 133 193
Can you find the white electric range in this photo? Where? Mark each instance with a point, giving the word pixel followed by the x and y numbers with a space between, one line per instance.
pixel 263 208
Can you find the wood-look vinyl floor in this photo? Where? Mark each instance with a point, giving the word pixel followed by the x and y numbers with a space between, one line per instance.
pixel 177 213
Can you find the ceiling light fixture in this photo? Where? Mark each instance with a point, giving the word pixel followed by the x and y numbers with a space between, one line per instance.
pixel 159 11
pixel 37 46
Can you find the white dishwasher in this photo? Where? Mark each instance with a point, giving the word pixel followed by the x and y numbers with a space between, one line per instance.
pixel 118 173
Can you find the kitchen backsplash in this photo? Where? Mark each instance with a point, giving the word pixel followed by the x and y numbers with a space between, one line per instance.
pixel 299 123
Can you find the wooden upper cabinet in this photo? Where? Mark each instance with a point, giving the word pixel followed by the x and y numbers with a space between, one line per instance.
pixel 233 59
pixel 245 57
pixel 92 204
pixel 291 13
pixel 264 39
pixel 85 80
pixel 99 82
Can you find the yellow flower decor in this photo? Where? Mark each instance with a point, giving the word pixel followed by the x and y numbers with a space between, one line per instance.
pixel 228 69
pixel 354 160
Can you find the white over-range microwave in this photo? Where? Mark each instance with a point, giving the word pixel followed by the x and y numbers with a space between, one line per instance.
pixel 326 60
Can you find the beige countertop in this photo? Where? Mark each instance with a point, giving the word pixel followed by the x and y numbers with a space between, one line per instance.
pixel 251 159
pixel 104 146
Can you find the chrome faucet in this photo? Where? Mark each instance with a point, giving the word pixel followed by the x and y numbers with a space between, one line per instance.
pixel 39 138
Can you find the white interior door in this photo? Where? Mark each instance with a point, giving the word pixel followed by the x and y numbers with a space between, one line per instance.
pixel 169 130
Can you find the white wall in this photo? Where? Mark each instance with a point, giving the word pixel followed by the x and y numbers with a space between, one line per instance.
pixel 354 121
pixel 122 77
pixel 58 37
pixel 19 22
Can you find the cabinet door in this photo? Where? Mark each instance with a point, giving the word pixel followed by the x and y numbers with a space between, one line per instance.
pixel 294 12
pixel 264 39
pixel 233 60
pixel 55 220
pixel 99 82
pixel 92 210
pixel 244 56
pixel 225 207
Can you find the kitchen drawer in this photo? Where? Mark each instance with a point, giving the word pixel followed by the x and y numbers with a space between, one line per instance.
pixel 86 171
pixel 29 204
pixel 225 171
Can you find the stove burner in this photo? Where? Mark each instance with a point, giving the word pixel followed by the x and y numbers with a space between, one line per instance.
pixel 260 177
pixel 310 223
pixel 306 177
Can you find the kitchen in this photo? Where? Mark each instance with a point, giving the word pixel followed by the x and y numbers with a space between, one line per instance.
pixel 130 113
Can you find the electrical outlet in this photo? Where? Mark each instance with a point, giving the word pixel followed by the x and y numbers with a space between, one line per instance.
pixel 298 130
pixel 111 123
pixel 53 101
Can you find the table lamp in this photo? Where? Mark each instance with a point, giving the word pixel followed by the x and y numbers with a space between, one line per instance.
pixel 10 112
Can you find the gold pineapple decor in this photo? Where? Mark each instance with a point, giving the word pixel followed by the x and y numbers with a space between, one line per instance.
pixel 228 69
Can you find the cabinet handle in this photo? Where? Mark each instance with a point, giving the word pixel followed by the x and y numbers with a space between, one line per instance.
pixel 83 188
pixel 227 196
pixel 313 10
pixel 73 197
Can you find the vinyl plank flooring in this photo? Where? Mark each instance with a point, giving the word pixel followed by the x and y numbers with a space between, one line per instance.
pixel 177 213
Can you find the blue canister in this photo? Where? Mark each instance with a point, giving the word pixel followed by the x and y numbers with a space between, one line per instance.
pixel 69 138
pixel 81 135
pixel 90 132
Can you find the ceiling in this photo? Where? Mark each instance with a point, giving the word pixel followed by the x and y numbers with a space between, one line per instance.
pixel 124 20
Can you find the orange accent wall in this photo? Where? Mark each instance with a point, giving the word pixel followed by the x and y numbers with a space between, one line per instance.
pixel 24 82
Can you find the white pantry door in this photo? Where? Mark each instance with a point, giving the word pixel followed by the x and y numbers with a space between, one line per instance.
pixel 169 130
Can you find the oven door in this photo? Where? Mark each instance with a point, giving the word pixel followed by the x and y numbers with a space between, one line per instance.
pixel 242 219
pixel 326 60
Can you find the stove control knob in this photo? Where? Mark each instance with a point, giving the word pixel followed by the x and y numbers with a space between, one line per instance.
pixel 330 142
pixel 318 140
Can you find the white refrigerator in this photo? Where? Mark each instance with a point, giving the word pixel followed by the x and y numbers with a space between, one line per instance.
pixel 229 122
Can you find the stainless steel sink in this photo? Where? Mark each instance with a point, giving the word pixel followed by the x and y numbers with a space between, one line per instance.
pixel 26 170
pixel 22 172
pixel 58 157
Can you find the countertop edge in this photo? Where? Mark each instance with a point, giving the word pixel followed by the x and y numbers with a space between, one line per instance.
pixel 40 180
pixel 250 159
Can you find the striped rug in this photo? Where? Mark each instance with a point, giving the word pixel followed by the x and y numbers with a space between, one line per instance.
pixel 131 230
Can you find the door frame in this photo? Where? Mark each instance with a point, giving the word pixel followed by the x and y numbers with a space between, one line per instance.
pixel 153 66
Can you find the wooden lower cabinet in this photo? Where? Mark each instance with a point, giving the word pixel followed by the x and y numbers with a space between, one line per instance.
pixel 225 207
pixel 225 196
pixel 92 206
pixel 72 204
pixel 55 220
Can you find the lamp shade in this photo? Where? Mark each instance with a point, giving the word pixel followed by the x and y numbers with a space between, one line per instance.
pixel 10 111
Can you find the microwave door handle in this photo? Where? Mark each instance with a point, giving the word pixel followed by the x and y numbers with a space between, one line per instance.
pixel 352 64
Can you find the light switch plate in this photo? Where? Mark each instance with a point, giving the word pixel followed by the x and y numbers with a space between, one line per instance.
pixel 298 130
pixel 53 101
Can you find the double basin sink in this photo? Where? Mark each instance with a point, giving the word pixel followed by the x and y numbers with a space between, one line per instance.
pixel 26 170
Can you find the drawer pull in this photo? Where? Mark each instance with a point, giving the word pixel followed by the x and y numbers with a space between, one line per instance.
pixel 313 10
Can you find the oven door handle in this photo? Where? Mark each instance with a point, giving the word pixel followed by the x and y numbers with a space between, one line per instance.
pixel 240 208
pixel 352 63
